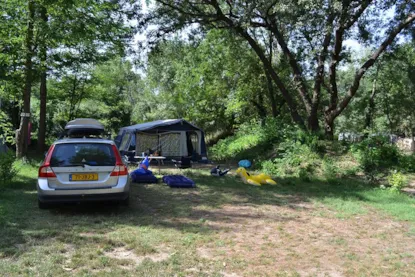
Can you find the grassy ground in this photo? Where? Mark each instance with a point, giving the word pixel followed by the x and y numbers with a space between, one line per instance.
pixel 221 228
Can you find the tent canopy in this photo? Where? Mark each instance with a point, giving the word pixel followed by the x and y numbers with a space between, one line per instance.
pixel 170 137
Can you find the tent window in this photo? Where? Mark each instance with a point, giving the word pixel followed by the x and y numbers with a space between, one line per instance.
pixel 195 140
pixel 146 142
pixel 170 144
pixel 125 142
pixel 132 143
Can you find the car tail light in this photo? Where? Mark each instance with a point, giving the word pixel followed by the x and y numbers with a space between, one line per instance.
pixel 45 170
pixel 120 169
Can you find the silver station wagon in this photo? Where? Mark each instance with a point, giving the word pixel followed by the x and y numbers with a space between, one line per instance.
pixel 83 167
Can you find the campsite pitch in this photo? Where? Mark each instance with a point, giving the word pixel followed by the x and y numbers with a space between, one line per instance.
pixel 221 228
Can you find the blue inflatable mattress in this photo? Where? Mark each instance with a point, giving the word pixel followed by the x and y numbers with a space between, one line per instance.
pixel 149 178
pixel 178 181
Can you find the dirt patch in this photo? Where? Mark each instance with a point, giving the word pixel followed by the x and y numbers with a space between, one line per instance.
pixel 67 252
pixel 121 253
pixel 225 274
pixel 269 239
pixel 87 234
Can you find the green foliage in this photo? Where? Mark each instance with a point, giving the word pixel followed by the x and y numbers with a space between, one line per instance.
pixel 7 168
pixel 330 169
pixel 312 140
pixel 6 129
pixel 294 159
pixel 250 141
pixel 375 154
pixel 395 103
pixel 216 82
pixel 407 163
pixel 397 181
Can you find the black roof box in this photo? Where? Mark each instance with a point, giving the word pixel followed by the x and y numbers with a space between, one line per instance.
pixel 81 127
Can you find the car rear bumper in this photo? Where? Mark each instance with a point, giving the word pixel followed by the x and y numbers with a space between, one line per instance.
pixel 83 197
pixel 114 193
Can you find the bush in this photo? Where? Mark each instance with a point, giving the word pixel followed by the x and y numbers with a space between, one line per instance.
pixel 375 154
pixel 249 142
pixel 407 163
pixel 330 170
pixel 397 181
pixel 7 169
pixel 6 128
pixel 312 140
pixel 294 159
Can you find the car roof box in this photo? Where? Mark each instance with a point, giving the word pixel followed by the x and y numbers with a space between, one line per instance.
pixel 81 127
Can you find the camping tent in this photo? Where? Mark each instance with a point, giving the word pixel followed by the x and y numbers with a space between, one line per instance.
pixel 170 137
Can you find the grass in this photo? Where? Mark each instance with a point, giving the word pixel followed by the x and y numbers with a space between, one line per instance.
pixel 222 227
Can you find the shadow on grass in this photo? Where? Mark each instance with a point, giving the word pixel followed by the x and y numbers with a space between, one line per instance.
pixel 23 225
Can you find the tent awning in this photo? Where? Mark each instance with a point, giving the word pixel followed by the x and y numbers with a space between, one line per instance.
pixel 166 124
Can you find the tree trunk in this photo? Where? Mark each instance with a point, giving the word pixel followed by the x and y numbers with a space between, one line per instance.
pixel 271 95
pixel 43 87
pixel 270 86
pixel 291 103
pixel 22 134
pixel 262 112
pixel 313 124
pixel 371 108
pixel 72 105
pixel 329 127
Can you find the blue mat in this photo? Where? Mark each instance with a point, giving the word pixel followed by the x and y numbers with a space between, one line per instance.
pixel 149 178
pixel 178 181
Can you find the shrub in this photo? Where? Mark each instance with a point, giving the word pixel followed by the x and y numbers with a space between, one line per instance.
pixel 294 159
pixel 397 181
pixel 249 142
pixel 330 170
pixel 7 169
pixel 312 140
pixel 6 129
pixel 375 154
pixel 407 163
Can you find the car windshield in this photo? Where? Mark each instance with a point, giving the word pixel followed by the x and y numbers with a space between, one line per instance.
pixel 81 154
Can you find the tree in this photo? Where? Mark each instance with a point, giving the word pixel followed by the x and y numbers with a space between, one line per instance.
pixel 310 34
pixel 396 83
pixel 11 59
pixel 22 133
pixel 215 81
pixel 43 78
pixel 94 32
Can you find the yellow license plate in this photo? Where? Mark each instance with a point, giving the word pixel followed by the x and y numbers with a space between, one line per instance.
pixel 84 177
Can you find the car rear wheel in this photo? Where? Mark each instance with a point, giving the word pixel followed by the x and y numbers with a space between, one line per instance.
pixel 42 205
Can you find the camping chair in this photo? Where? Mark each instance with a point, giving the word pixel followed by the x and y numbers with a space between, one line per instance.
pixel 185 162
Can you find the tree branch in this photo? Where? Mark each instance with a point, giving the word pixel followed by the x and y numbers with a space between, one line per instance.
pixel 352 20
pixel 321 58
pixel 298 75
pixel 359 74
pixel 338 44
pixel 267 64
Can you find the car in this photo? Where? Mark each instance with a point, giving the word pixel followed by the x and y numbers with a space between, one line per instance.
pixel 82 166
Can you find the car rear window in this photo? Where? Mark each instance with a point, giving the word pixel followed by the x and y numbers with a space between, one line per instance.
pixel 77 154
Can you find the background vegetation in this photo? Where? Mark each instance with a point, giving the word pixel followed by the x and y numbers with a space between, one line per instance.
pixel 267 81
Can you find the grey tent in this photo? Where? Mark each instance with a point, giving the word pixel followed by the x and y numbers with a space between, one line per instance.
pixel 171 137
